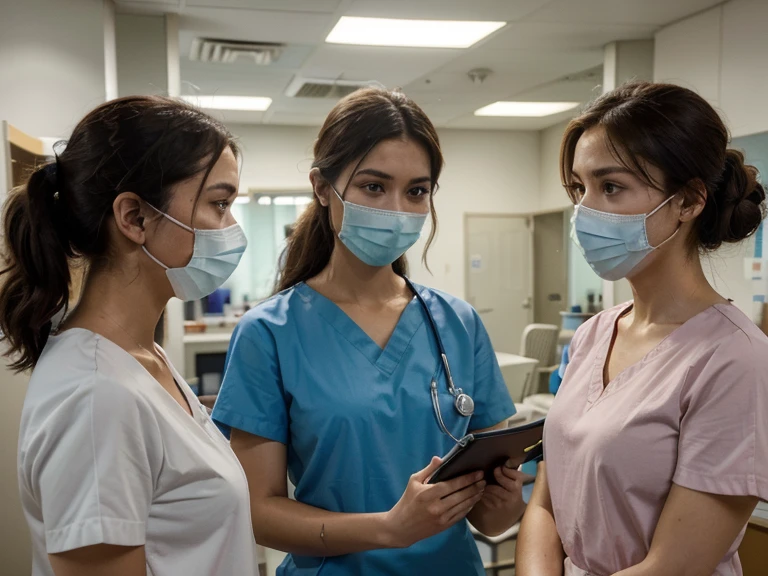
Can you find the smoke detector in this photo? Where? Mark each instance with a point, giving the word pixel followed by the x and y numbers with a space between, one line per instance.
pixel 228 51
pixel 324 87
pixel 478 75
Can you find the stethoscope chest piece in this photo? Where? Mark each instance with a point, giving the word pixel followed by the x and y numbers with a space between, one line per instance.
pixel 464 404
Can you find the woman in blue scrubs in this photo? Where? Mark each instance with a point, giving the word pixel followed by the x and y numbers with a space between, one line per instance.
pixel 330 379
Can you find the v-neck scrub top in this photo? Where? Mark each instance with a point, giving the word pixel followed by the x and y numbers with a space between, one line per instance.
pixel 692 412
pixel 358 420
pixel 108 456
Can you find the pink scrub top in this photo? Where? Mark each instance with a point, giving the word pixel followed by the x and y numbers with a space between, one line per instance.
pixel 693 411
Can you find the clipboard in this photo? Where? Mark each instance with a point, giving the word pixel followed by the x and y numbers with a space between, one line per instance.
pixel 487 451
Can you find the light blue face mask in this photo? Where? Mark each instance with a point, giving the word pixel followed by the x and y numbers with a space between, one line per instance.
pixel 613 244
pixel 378 237
pixel 215 255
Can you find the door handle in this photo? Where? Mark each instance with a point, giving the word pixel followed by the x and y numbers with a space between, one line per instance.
pixel 485 311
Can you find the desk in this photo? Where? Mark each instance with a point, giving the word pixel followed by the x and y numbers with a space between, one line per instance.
pixel 203 343
pixel 517 371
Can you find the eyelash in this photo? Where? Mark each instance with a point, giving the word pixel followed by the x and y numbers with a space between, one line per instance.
pixel 579 189
pixel 421 190
pixel 222 205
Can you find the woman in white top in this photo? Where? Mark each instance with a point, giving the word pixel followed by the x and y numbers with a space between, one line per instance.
pixel 121 471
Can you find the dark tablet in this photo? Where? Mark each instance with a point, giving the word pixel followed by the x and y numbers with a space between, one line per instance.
pixel 487 451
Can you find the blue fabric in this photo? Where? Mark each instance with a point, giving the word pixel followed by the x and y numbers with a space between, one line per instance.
pixel 557 376
pixel 358 420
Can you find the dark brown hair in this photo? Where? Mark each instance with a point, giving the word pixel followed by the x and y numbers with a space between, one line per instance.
pixel 677 131
pixel 139 144
pixel 353 128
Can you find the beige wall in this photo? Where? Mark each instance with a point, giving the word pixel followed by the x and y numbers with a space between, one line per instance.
pixel 486 171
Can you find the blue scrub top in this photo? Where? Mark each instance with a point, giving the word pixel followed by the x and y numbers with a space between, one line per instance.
pixel 358 420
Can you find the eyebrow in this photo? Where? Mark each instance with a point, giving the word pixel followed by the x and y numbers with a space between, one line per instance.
pixel 385 176
pixel 608 170
pixel 226 186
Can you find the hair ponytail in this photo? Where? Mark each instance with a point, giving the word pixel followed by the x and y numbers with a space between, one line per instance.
pixel 36 275
pixel 140 144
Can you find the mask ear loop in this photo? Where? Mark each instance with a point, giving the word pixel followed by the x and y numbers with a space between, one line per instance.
pixel 172 219
pixel 659 207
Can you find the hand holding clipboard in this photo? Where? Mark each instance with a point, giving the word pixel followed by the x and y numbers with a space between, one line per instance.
pixel 486 451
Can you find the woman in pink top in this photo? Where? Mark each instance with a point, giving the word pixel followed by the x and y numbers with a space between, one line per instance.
pixel 656 447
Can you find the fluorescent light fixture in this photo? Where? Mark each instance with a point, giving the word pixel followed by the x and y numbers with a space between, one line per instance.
pixel 265 201
pixel 251 103
pixel 284 201
pixel 303 200
pixel 525 109
pixel 410 33
pixel 242 199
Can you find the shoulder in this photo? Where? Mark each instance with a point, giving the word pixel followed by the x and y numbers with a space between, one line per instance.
pixel 735 341
pixel 273 312
pixel 451 312
pixel 596 326
pixel 440 301
pixel 85 386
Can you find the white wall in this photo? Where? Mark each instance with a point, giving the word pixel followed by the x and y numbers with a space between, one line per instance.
pixel 141 55
pixel 52 64
pixel 723 55
pixel 552 195
pixel 485 172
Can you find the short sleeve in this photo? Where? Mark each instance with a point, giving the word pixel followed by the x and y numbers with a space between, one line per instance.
pixel 723 443
pixel 493 403
pixel 251 396
pixel 95 469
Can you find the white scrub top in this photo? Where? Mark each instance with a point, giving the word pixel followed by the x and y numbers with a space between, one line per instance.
pixel 107 456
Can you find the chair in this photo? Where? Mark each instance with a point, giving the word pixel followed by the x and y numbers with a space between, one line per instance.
pixel 493 542
pixel 539 341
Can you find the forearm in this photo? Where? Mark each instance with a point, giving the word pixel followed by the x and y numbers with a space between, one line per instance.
pixel 492 522
pixel 539 550
pixel 296 528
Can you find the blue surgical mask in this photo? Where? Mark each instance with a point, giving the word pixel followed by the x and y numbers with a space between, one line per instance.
pixel 215 256
pixel 613 244
pixel 378 237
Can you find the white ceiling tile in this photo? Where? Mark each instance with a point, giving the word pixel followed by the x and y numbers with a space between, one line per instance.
pixel 257 25
pixel 390 66
pixel 327 6
pixel 655 12
pixel 492 10
pixel 490 123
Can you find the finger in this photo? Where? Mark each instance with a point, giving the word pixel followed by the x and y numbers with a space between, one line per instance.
pixel 507 483
pixel 497 491
pixel 423 475
pixel 493 499
pixel 459 483
pixel 515 475
pixel 457 498
pixel 460 511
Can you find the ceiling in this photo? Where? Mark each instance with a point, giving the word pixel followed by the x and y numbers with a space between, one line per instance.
pixel 550 50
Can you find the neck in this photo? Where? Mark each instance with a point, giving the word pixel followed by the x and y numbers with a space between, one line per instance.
pixel 673 290
pixel 350 280
pixel 121 304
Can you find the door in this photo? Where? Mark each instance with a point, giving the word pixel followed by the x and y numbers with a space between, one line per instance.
pixel 499 277
pixel 550 268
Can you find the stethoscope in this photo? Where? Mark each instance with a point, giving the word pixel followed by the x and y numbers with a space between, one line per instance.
pixel 462 402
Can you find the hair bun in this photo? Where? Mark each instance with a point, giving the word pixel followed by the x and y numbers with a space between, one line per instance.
pixel 741 200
